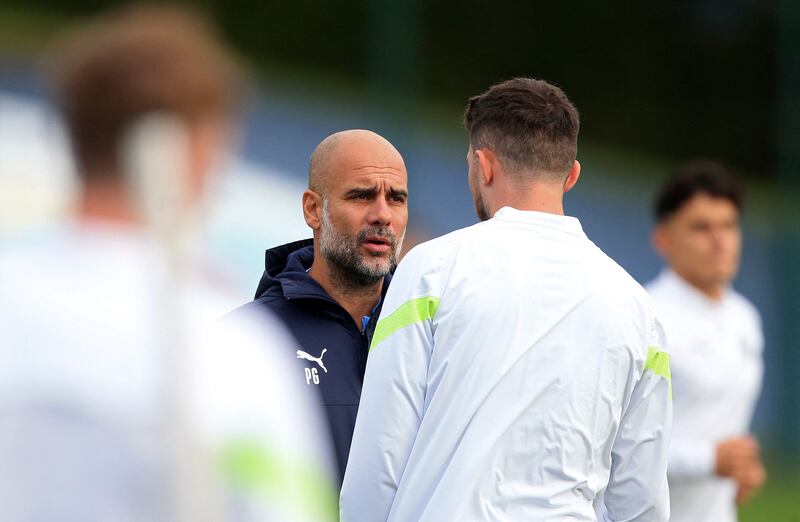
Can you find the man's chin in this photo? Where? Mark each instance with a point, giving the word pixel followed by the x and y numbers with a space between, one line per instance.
pixel 714 279
pixel 723 273
pixel 380 268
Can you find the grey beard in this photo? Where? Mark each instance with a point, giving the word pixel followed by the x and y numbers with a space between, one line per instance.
pixel 349 269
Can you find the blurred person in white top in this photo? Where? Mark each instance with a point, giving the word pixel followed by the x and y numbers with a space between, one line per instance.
pixel 121 395
pixel 716 343
pixel 516 372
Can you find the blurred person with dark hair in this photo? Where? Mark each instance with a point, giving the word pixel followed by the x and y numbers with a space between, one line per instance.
pixel 516 372
pixel 121 396
pixel 716 342
pixel 328 290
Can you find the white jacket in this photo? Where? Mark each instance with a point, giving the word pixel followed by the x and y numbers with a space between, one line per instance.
pixel 716 349
pixel 517 373
pixel 83 400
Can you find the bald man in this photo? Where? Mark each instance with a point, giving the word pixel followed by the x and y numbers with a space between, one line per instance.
pixel 329 289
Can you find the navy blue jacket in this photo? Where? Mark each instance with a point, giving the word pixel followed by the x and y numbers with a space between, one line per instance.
pixel 321 326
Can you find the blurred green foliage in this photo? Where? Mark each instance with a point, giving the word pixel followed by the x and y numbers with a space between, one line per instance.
pixel 677 79
pixel 24 30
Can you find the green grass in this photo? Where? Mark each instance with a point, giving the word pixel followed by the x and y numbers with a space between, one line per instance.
pixel 778 501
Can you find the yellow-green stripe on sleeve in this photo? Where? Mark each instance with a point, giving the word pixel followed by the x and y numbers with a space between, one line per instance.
pixel 410 312
pixel 658 363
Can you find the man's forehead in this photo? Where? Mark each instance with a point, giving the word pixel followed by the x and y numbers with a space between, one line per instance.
pixel 363 156
pixel 703 212
pixel 356 156
pixel 702 203
pixel 374 178
pixel 370 166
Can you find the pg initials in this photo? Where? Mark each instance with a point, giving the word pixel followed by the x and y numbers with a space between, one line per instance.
pixel 312 375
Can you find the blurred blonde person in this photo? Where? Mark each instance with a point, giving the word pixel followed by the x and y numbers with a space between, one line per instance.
pixel 716 343
pixel 121 396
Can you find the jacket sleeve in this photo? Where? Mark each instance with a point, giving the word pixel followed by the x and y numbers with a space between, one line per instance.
pixel 392 399
pixel 691 458
pixel 637 488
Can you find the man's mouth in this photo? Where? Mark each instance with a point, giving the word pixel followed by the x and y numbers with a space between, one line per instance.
pixel 377 244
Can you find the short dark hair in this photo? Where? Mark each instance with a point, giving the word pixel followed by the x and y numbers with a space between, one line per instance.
pixel 530 124
pixel 132 61
pixel 697 177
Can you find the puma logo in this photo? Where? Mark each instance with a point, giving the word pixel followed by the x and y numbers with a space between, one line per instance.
pixel 303 355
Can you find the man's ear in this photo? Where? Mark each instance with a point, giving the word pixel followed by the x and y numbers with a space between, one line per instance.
pixel 572 177
pixel 660 239
pixel 312 209
pixel 488 163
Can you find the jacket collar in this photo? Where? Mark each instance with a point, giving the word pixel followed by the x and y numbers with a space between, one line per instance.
pixel 286 273
pixel 568 224
pixel 688 293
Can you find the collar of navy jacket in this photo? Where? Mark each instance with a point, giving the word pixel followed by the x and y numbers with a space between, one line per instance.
pixel 286 275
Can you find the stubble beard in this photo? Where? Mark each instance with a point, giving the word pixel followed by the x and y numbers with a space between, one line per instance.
pixel 477 198
pixel 349 269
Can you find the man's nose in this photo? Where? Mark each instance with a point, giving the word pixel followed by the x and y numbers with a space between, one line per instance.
pixel 379 212
pixel 721 239
pixel 718 235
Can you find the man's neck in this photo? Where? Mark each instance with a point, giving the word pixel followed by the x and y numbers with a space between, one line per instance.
pixel 541 197
pixel 713 291
pixel 358 301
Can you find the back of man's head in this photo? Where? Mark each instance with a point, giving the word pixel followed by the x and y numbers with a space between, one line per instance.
pixel 529 124
pixel 696 177
pixel 133 62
